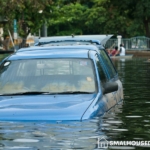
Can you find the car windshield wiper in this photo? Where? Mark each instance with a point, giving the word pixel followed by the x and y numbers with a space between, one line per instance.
pixel 27 93
pixel 39 92
pixel 74 92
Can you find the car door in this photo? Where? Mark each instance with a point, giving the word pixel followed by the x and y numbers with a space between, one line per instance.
pixel 109 98
pixel 112 74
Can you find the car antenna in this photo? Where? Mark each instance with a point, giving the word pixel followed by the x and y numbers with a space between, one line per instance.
pixel 72 35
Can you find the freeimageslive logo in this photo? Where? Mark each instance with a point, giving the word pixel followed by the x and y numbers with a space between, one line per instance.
pixel 102 143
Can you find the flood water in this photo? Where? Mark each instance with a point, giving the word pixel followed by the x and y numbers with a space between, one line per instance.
pixel 128 121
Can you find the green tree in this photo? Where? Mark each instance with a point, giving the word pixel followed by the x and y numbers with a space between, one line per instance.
pixel 26 12
pixel 138 12
pixel 125 17
pixel 67 18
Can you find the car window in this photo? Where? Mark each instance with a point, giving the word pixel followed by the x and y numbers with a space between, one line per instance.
pixel 47 75
pixel 110 68
pixel 102 73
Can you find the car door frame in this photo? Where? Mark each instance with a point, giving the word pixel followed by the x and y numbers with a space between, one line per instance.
pixel 109 98
pixel 114 78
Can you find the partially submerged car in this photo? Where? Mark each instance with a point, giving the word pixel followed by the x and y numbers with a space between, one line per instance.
pixel 73 39
pixel 57 84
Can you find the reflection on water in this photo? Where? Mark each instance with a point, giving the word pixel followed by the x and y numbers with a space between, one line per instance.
pixel 128 121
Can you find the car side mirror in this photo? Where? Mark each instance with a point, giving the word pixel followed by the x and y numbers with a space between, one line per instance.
pixel 110 87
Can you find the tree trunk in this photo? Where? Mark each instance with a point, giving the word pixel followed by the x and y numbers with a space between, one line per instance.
pixel 146 26
pixel 147 30
pixel 23 43
pixel 5 43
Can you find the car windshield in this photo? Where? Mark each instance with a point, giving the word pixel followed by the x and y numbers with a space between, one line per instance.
pixel 47 75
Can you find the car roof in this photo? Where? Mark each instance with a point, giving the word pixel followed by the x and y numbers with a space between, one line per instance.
pixel 75 51
pixel 68 40
pixel 100 39
pixel 33 48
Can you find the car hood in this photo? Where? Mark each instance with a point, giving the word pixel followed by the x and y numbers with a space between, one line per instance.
pixel 44 107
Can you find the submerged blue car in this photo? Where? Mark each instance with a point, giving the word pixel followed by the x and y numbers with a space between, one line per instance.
pixel 58 83
pixel 73 40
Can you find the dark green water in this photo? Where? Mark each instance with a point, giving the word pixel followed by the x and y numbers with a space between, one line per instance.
pixel 128 121
pixel 134 114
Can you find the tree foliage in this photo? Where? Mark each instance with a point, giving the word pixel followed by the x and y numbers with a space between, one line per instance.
pixel 125 17
pixel 67 19
pixel 137 14
pixel 26 12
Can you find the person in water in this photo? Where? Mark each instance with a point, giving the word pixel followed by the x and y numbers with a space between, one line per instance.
pixel 122 51
pixel 114 52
